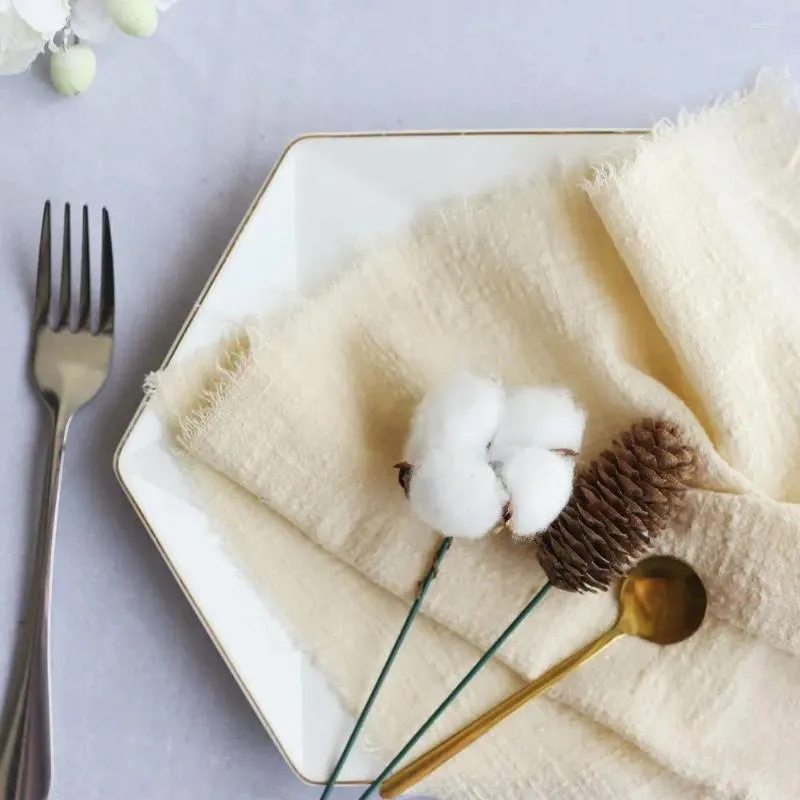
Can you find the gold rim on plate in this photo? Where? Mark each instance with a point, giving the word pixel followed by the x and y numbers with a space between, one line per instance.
pixel 190 319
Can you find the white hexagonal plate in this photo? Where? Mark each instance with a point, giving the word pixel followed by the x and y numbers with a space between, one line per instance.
pixel 326 196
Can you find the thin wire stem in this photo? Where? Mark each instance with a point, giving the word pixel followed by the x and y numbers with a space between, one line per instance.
pixel 479 665
pixel 422 590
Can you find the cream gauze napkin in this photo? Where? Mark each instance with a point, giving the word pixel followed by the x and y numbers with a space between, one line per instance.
pixel 665 282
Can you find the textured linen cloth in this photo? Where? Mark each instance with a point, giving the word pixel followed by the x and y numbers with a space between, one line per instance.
pixel 662 282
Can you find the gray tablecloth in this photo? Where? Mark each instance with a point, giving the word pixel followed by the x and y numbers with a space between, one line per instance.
pixel 175 138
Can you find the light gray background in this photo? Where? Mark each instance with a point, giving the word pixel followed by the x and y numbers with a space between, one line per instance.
pixel 175 138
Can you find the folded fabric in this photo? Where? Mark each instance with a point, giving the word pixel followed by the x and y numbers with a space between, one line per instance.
pixel 662 282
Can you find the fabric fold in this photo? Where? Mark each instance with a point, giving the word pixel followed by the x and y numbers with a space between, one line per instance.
pixel 658 285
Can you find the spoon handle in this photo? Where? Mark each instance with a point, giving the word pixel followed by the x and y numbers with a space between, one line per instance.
pixel 420 768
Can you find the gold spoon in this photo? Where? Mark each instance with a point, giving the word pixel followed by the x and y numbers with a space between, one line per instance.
pixel 661 600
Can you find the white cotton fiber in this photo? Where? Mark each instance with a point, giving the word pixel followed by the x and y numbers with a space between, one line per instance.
pixel 544 417
pixel 540 484
pixel 457 493
pixel 462 412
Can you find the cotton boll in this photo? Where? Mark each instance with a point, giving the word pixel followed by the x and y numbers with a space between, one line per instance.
pixel 457 493
pixel 504 452
pixel 540 485
pixel 462 412
pixel 544 417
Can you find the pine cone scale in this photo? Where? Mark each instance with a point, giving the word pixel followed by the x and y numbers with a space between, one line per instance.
pixel 619 503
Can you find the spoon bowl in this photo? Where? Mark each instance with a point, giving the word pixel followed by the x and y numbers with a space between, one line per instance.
pixel 662 600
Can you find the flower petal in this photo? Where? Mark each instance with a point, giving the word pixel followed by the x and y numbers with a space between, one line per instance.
pixel 45 16
pixel 13 62
pixel 19 43
pixel 91 22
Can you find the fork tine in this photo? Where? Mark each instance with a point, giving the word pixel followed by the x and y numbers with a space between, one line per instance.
pixel 85 291
pixel 42 306
pixel 66 272
pixel 107 282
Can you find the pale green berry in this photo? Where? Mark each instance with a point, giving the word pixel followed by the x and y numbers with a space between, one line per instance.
pixel 72 70
pixel 134 17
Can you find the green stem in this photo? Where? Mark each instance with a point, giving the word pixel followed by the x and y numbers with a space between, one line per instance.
pixel 479 664
pixel 422 590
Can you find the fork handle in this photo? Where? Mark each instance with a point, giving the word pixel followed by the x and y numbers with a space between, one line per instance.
pixel 26 736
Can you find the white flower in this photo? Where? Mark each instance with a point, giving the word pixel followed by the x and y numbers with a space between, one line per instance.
pixel 25 27
pixel 28 26
pixel 19 43
pixel 45 16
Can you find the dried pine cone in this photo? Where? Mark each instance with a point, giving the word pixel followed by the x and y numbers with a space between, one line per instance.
pixel 619 503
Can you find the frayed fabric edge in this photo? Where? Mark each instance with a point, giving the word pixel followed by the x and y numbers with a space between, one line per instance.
pixel 772 86
pixel 234 355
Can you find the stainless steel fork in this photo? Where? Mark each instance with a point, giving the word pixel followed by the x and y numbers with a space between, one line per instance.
pixel 70 359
